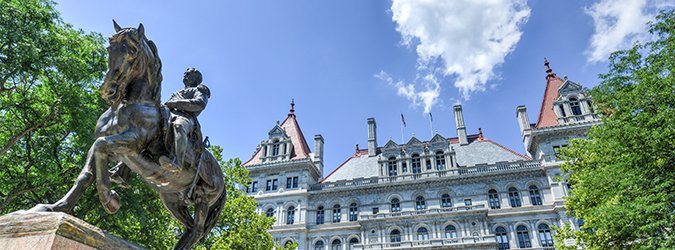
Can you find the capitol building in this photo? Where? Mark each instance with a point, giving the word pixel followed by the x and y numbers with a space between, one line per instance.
pixel 461 191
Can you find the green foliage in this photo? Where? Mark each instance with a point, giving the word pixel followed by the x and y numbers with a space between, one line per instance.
pixel 623 174
pixel 49 104
pixel 239 226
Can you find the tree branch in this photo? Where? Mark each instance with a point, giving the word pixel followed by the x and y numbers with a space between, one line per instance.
pixel 14 139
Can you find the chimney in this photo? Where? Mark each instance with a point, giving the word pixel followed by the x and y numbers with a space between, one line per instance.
pixel 525 128
pixel 459 122
pixel 318 152
pixel 372 137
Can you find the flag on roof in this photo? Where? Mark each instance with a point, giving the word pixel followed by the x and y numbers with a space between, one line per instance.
pixel 403 120
pixel 431 117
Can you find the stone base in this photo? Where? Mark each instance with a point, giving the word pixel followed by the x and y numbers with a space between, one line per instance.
pixel 45 230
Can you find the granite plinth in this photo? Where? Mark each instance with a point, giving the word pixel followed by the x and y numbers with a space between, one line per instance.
pixel 52 230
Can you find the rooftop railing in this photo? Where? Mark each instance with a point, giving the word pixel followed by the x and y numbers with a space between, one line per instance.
pixel 472 170
pixel 431 211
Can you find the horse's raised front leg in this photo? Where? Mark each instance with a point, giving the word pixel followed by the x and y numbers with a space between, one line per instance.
pixel 103 147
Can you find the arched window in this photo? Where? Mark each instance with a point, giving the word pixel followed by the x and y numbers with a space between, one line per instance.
pixel 422 233
pixel 545 238
pixel 288 243
pixel 574 106
pixel 269 213
pixel 502 238
pixel 446 201
pixel 353 242
pixel 336 245
pixel 523 237
pixel 395 236
pixel 337 214
pixel 440 160
pixel 450 232
pixel 493 199
pixel 353 212
pixel 290 215
pixel 416 164
pixel 535 196
pixel 318 245
pixel 514 197
pixel 395 205
pixel 391 164
pixel 320 214
pixel 420 203
pixel 275 148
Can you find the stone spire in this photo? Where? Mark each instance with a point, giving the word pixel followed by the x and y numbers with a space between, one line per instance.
pixel 292 111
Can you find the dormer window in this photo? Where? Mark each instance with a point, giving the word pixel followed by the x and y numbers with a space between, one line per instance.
pixel 574 106
pixel 275 148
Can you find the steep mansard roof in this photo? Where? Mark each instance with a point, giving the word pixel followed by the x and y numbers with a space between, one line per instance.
pixel 300 148
pixel 479 151
pixel 547 116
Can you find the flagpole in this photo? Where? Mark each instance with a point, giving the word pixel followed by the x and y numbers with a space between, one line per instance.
pixel 431 124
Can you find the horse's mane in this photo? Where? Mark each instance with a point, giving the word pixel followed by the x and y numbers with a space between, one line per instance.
pixel 155 72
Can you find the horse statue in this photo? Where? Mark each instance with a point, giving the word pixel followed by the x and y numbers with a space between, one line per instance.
pixel 133 133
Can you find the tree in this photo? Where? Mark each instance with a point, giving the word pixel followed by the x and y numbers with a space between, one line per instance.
pixel 49 104
pixel 623 174
pixel 240 226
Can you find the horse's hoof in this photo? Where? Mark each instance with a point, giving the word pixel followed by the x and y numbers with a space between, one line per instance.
pixel 41 208
pixel 113 203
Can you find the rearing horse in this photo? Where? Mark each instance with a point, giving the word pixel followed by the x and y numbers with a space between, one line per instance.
pixel 132 131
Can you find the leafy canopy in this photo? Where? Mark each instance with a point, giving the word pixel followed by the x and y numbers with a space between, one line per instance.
pixel 623 174
pixel 49 104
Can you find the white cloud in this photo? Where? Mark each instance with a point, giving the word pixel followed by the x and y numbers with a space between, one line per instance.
pixel 427 97
pixel 619 24
pixel 465 39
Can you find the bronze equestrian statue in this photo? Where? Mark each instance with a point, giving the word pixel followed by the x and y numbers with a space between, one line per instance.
pixel 138 133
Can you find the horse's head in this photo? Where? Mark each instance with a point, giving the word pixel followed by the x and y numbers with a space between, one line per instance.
pixel 131 56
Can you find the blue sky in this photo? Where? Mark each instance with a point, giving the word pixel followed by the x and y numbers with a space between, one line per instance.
pixel 344 61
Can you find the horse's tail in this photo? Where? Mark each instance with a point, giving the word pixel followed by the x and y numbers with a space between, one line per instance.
pixel 214 212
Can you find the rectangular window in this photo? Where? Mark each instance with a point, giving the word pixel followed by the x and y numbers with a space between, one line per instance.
pixel 376 210
pixel 428 163
pixel 295 182
pixel 268 187
pixel 404 167
pixel 467 202
pixel 248 187
pixel 275 184
pixel 289 181
pixel 254 187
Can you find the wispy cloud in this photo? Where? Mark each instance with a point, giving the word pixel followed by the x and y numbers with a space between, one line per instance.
pixel 619 24
pixel 465 39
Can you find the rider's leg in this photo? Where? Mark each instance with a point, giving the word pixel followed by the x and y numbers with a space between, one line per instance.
pixel 182 128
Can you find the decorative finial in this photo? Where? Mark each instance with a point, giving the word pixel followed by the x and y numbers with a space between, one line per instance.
pixel 357 148
pixel 549 71
pixel 277 122
pixel 480 134
pixel 292 105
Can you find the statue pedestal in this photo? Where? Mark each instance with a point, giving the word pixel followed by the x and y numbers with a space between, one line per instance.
pixel 44 230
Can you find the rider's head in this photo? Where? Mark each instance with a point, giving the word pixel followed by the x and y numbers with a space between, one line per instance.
pixel 192 77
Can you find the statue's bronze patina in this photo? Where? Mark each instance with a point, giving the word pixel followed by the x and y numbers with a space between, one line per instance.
pixel 161 143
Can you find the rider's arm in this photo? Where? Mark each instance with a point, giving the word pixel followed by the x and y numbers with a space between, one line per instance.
pixel 195 104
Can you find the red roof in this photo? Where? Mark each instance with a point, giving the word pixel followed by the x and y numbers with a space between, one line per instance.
pixel 300 148
pixel 547 116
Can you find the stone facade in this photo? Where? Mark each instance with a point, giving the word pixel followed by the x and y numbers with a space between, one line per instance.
pixel 464 192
